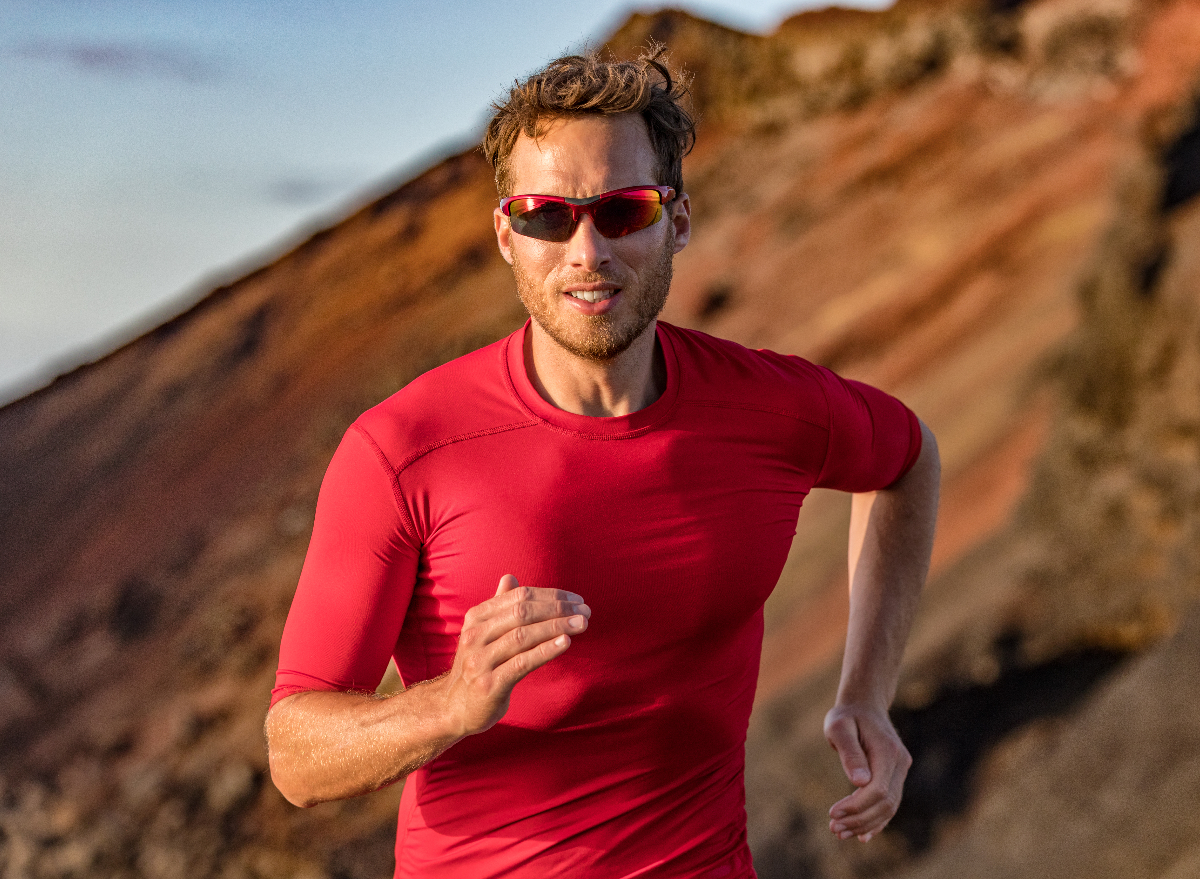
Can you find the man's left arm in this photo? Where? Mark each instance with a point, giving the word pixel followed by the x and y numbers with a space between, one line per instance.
pixel 891 536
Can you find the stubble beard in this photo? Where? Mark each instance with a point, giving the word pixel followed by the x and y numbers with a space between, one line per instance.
pixel 600 337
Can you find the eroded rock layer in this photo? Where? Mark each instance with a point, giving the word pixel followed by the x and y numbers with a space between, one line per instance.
pixel 988 209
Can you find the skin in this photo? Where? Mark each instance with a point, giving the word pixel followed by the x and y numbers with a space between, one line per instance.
pixel 891 537
pixel 601 359
pixel 580 158
pixel 327 745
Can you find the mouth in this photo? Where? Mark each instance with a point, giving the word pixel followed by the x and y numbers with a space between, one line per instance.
pixel 592 295
pixel 593 299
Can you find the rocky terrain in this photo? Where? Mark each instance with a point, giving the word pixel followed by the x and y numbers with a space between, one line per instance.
pixel 988 209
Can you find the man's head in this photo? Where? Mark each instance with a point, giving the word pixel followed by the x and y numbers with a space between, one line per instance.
pixel 579 129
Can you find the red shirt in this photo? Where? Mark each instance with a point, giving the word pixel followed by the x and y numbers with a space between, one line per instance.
pixel 624 756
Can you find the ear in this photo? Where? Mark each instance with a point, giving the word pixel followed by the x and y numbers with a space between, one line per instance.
pixel 503 235
pixel 681 219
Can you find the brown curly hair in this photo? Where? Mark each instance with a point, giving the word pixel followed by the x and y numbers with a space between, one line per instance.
pixel 583 84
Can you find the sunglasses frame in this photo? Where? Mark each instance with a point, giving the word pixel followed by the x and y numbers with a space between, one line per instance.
pixel 581 206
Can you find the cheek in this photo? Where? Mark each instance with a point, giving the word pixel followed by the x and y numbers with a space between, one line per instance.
pixel 532 252
pixel 534 262
pixel 643 252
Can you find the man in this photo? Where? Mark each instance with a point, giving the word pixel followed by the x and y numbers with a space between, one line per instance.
pixel 565 540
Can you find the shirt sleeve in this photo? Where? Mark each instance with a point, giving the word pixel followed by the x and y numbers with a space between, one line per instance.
pixel 356 582
pixel 874 439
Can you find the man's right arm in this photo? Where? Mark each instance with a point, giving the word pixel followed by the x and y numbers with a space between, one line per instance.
pixel 329 745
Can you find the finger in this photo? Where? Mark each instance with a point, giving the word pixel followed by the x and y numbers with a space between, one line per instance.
pixel 525 638
pixel 509 592
pixel 887 784
pixel 857 803
pixel 532 614
pixel 861 829
pixel 507 583
pixel 511 672
pixel 842 734
pixel 866 811
pixel 870 819
pixel 495 622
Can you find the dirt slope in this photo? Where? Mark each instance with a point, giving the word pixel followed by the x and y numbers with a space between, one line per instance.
pixel 956 203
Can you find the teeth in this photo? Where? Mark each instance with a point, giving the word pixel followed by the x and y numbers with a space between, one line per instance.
pixel 592 295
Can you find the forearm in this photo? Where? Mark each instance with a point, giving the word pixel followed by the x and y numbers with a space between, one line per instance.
pixel 331 745
pixel 891 535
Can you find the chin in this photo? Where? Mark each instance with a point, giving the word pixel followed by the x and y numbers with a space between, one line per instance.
pixel 600 339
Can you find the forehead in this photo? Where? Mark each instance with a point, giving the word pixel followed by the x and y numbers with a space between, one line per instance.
pixel 580 156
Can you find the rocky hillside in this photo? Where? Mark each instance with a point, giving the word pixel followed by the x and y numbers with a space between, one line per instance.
pixel 987 209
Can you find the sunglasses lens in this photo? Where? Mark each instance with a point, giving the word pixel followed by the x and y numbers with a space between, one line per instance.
pixel 621 213
pixel 547 220
pixel 629 212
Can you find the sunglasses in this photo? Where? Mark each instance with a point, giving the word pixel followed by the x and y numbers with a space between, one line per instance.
pixel 615 213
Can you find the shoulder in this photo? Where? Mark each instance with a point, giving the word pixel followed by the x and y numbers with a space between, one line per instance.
pixel 468 396
pixel 721 372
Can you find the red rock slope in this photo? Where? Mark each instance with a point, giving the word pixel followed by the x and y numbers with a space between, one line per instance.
pixel 912 197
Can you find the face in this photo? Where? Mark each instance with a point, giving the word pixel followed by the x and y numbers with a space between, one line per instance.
pixel 592 295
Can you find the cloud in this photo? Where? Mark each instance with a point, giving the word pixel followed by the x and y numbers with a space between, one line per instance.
pixel 302 190
pixel 131 60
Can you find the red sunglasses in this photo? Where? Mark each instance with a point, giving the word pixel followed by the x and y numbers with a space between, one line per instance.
pixel 615 213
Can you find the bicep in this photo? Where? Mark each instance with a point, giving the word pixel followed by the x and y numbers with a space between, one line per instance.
pixel 356 582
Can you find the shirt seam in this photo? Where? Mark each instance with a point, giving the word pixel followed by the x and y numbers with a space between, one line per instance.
pixel 393 482
pixel 828 432
pixel 437 444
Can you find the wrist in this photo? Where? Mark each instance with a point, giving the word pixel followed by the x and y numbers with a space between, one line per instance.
pixel 447 724
pixel 863 701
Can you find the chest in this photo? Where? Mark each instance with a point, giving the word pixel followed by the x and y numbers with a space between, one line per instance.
pixel 688 523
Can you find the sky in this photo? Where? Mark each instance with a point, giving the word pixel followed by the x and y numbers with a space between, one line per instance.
pixel 152 149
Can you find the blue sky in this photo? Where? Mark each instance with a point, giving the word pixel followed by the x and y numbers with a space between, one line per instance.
pixel 151 148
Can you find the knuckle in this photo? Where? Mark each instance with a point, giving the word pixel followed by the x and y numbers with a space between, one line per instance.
pixel 520 665
pixel 524 593
pixel 520 636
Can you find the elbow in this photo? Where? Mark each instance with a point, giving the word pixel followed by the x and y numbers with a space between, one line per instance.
pixel 292 792
pixel 930 460
pixel 283 765
pixel 922 480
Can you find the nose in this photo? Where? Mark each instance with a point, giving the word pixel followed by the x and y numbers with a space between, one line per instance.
pixel 587 249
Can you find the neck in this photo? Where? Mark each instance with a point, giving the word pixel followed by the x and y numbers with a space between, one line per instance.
pixel 632 380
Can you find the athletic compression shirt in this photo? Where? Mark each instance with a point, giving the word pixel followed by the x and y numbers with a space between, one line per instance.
pixel 624 756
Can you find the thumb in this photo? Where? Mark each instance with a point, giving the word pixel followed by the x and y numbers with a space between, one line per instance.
pixel 842 733
pixel 507 584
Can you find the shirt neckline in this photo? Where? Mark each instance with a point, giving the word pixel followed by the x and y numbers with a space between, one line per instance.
pixel 589 425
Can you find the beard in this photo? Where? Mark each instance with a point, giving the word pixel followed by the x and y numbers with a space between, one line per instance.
pixel 600 337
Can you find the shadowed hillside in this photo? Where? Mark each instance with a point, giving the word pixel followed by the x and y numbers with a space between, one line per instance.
pixel 987 209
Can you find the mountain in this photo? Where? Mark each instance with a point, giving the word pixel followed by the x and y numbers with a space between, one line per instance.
pixel 987 209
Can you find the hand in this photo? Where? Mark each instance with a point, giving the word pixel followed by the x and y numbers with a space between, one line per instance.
pixel 875 761
pixel 502 640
